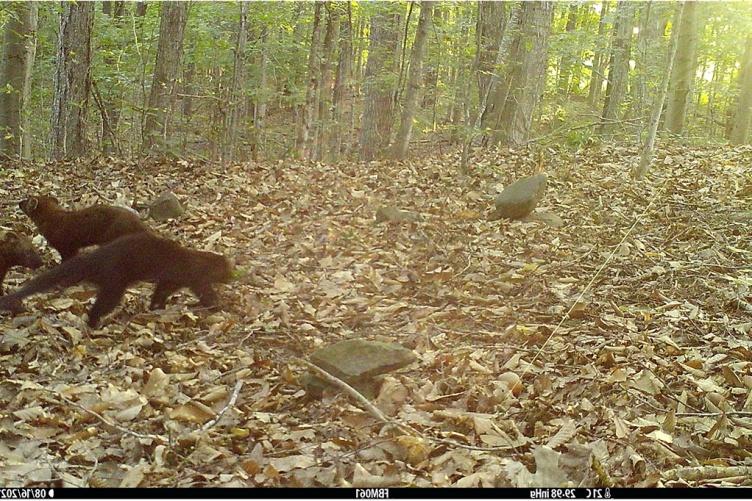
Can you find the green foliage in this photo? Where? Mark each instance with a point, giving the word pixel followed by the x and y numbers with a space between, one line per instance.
pixel 576 138
pixel 124 53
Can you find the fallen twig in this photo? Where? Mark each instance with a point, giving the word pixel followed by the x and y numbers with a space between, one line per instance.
pixel 385 419
pixel 230 403
pixel 106 421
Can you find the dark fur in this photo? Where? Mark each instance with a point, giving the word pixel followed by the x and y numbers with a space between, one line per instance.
pixel 16 250
pixel 70 230
pixel 130 259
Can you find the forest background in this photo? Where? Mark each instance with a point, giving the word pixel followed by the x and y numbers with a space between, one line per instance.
pixel 330 80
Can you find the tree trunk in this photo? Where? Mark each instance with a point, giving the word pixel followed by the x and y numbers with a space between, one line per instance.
pixel 683 73
pixel 414 81
pixel 237 101
pixel 358 47
pixel 701 90
pixel 342 86
pixel 137 129
pixel 714 84
pixel 157 133
pixel 188 88
pixel 596 76
pixel 19 49
pixel 648 38
pixel 216 127
pixel 402 59
pixel 461 93
pixel 430 96
pixel 141 10
pixel 618 72
pixel 452 84
pixel 489 30
pixel 488 112
pixel 647 150
pixel 568 59
pixel 328 62
pixel 304 140
pixel 112 99
pixel 261 99
pixel 380 79
pixel 741 122
pixel 72 80
pixel 527 72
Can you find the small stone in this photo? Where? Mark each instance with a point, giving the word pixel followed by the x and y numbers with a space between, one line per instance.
pixel 166 206
pixel 520 198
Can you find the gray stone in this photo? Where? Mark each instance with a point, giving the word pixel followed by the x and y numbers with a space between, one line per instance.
pixel 357 362
pixel 394 215
pixel 520 198
pixel 166 206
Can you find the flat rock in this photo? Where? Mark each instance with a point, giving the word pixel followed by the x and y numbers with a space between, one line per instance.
pixel 166 206
pixel 520 198
pixel 357 362
pixel 356 358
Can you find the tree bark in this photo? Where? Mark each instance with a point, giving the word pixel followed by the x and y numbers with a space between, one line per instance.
pixel 433 66
pixel 568 59
pixel 402 58
pixel 112 99
pixel 326 97
pixel 157 133
pixel 72 81
pixel 19 49
pixel 380 80
pixel 648 38
pixel 492 103
pixel 304 140
pixel 718 71
pixel 618 72
pixel 141 9
pixel 489 30
pixel 487 110
pixel 527 72
pixel 741 121
pixel 684 69
pixel 236 104
pixel 414 81
pixel 137 30
pixel 458 105
pixel 596 74
pixel 342 86
pixel 358 47
pixel 188 90
pixel 649 147
pixel 261 98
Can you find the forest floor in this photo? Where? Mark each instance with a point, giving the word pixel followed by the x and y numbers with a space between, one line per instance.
pixel 647 381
